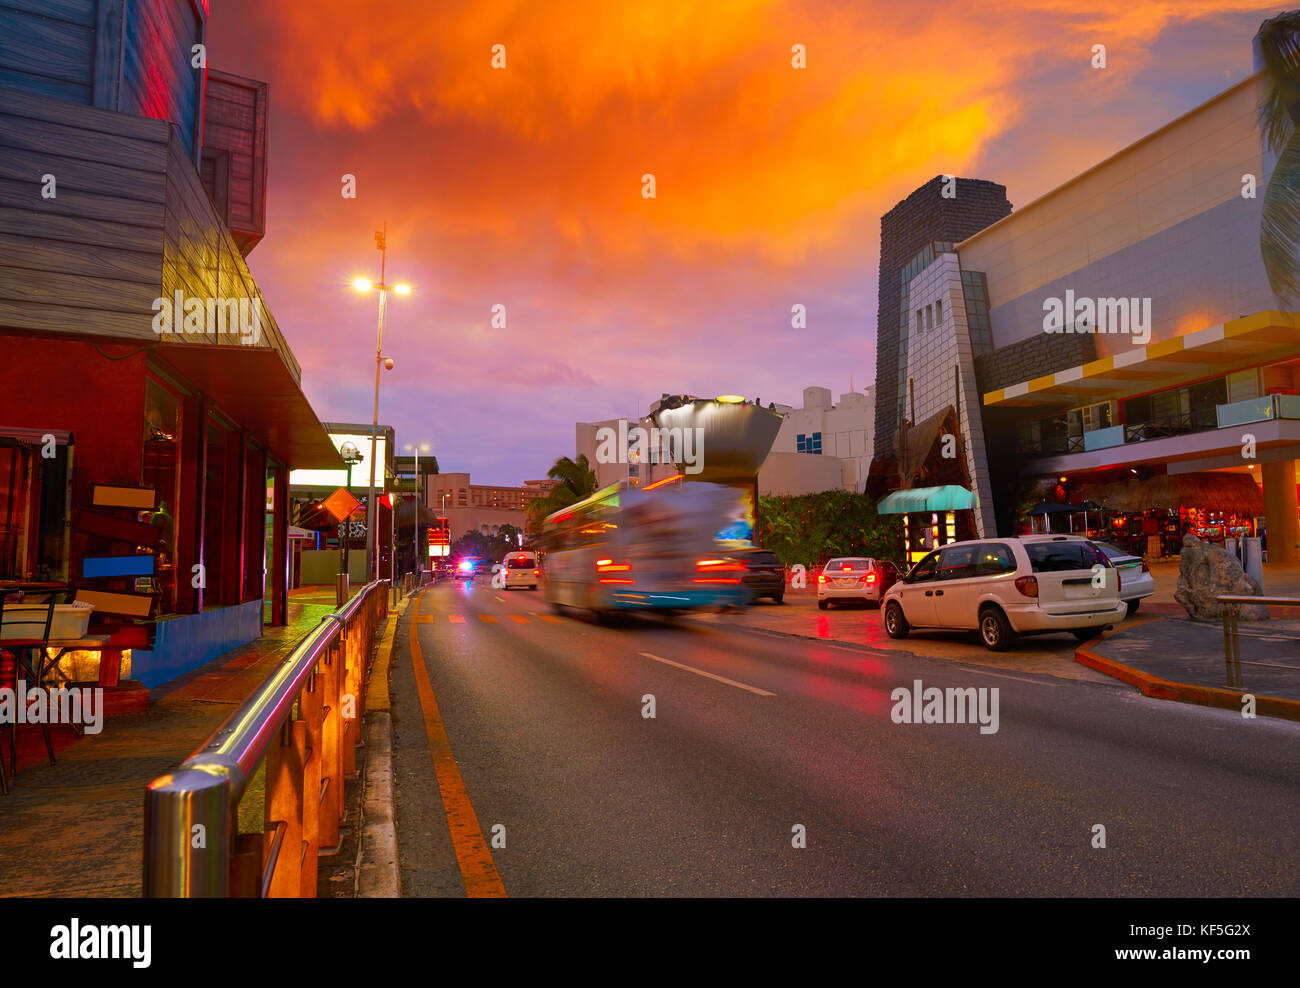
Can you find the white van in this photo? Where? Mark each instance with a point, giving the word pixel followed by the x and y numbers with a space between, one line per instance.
pixel 1005 587
pixel 521 570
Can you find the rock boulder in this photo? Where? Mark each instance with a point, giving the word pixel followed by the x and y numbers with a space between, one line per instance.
pixel 1205 572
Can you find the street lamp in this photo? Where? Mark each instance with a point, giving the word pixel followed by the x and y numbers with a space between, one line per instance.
pixel 364 285
pixel 418 448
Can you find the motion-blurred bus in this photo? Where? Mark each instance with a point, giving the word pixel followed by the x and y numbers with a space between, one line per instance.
pixel 662 549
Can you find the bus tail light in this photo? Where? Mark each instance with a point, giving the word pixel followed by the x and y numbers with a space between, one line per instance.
pixel 609 566
pixel 709 568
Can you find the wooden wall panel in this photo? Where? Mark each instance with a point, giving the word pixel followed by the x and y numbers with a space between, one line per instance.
pixel 48 47
pixel 158 78
pixel 235 121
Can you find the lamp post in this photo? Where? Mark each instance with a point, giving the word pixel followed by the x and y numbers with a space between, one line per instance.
pixel 364 285
pixel 351 456
pixel 418 448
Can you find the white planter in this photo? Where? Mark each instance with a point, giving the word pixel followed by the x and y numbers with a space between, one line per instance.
pixel 70 621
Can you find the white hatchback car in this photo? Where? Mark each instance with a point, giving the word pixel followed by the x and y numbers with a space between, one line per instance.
pixel 1005 587
pixel 521 570
pixel 1135 575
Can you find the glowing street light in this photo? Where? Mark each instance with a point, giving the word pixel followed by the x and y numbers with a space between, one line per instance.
pixel 364 285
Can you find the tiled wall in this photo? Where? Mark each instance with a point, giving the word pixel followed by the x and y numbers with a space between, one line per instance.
pixel 942 370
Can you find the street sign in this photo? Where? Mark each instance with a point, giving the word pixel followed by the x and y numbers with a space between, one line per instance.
pixel 341 503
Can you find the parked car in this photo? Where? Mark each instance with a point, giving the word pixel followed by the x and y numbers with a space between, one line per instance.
pixel 855 578
pixel 764 574
pixel 1008 587
pixel 521 570
pixel 1135 575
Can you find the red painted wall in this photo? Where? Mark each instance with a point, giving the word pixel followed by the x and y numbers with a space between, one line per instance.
pixel 68 384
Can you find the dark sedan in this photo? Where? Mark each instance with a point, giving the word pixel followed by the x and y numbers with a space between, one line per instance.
pixel 764 574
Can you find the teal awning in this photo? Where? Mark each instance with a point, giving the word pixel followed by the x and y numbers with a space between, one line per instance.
pixel 948 498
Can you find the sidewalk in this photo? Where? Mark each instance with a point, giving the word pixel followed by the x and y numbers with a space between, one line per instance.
pixel 76 828
pixel 1175 658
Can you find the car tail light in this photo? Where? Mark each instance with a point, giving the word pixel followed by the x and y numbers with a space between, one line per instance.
pixel 1027 585
pixel 537 572
pixel 1145 567
pixel 847 569
pixel 869 578
pixel 1119 580
pixel 821 577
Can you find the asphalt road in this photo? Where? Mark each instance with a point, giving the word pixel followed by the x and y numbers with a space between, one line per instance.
pixel 756 734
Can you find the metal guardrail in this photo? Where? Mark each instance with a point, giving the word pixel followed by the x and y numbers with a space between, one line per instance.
pixel 1231 643
pixel 302 724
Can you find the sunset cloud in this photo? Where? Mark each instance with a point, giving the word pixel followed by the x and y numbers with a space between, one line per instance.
pixel 523 185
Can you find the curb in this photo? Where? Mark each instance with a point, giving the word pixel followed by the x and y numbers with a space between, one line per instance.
pixel 1205 696
pixel 376 868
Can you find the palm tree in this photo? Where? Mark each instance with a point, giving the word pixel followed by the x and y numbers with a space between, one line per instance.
pixel 1277 52
pixel 576 481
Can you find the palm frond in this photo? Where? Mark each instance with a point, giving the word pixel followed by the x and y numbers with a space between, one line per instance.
pixel 1279 224
pixel 1277 46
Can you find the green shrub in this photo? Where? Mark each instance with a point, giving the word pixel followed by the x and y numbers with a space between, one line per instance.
pixel 813 528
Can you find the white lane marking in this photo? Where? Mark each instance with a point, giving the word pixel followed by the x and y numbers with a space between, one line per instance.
pixel 708 675
pixel 500 598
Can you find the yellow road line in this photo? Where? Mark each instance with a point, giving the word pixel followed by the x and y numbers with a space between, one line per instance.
pixel 519 617
pixel 456 618
pixel 488 619
pixel 425 618
pixel 477 869
pixel 552 618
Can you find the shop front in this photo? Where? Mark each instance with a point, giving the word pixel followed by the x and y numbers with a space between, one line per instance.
pixel 1149 518
pixel 932 517
pixel 136 480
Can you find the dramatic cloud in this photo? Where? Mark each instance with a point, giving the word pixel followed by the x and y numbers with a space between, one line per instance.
pixel 522 186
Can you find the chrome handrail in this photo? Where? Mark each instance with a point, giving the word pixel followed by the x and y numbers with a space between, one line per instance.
pixel 188 813
pixel 1231 632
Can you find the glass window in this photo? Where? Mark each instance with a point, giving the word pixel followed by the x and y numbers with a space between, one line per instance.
pixel 160 471
pixel 33 510
pixel 957 562
pixel 924 571
pixel 994 558
pixel 853 562
pixel 1059 557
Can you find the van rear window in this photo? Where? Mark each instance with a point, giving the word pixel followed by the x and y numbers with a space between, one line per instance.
pixel 514 562
pixel 1056 557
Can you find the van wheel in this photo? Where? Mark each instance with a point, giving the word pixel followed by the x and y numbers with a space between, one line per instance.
pixel 1085 634
pixel 823 604
pixel 1133 606
pixel 896 625
pixel 995 630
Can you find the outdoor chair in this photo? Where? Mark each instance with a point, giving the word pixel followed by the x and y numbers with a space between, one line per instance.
pixel 26 655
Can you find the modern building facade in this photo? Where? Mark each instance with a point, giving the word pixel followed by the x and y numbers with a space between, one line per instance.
pixel 943 211
pixel 840 432
pixel 1121 329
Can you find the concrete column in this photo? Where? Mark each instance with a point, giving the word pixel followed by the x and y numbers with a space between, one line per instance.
pixel 1280 513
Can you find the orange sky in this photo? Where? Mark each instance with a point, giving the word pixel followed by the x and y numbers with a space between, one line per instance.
pixel 521 186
